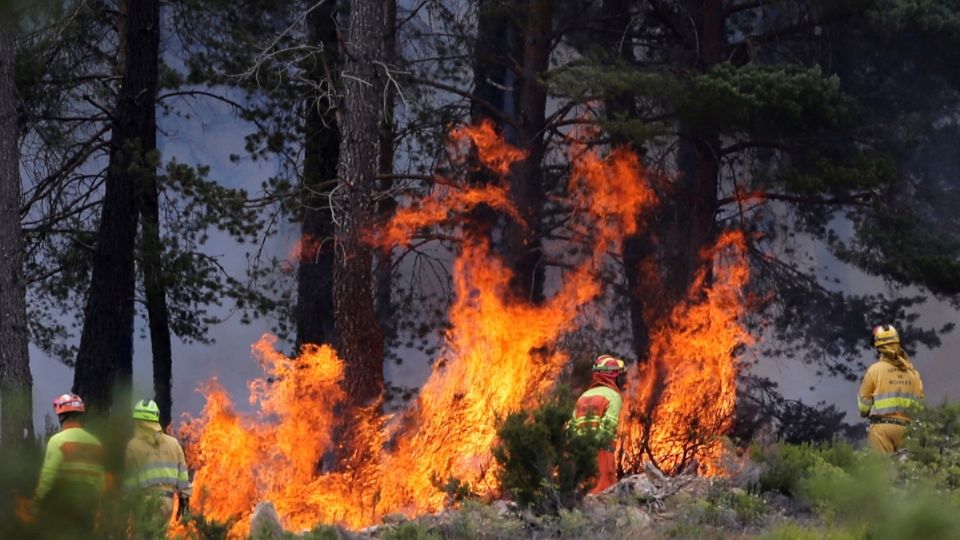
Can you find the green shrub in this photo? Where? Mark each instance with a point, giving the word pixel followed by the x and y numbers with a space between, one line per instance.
pixel 933 446
pixel 794 531
pixel 786 465
pixel 410 530
pixel 864 501
pixel 543 465
pixel 477 521
pixel 320 532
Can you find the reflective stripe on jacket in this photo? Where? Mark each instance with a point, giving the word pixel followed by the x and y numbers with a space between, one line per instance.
pixel 888 391
pixel 154 460
pixel 598 409
pixel 73 456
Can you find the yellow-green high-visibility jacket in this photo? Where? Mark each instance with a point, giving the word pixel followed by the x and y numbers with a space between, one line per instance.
pixel 154 461
pixel 888 392
pixel 74 458
pixel 598 410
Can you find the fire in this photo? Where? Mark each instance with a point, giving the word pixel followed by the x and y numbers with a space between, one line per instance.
pixel 685 394
pixel 500 355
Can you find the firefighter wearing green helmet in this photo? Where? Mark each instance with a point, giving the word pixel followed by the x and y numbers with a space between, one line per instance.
pixel 890 393
pixel 155 467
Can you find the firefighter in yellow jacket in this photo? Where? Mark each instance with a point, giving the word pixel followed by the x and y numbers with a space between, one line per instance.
pixel 890 393
pixel 155 466
pixel 598 411
pixel 72 477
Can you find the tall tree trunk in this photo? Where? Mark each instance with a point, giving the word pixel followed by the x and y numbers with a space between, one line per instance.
pixel 383 284
pixel 314 312
pixel 105 357
pixel 496 49
pixel 361 338
pixel 699 162
pixel 16 384
pixel 523 241
pixel 638 248
pixel 155 288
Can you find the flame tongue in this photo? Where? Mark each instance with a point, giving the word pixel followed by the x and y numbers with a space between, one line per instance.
pixel 685 395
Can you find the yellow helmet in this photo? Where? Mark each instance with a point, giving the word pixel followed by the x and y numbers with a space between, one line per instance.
pixel 884 335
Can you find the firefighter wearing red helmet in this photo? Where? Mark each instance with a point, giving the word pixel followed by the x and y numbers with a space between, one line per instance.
pixel 890 393
pixel 597 412
pixel 72 477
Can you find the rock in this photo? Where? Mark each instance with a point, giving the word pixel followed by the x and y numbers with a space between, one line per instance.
pixel 395 518
pixel 265 523
pixel 505 508
pixel 637 486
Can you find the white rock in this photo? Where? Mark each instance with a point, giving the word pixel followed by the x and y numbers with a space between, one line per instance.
pixel 265 523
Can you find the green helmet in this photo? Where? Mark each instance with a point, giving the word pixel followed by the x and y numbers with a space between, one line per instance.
pixel 146 409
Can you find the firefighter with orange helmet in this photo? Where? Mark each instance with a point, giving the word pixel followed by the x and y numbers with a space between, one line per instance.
pixel 891 392
pixel 156 468
pixel 597 411
pixel 72 477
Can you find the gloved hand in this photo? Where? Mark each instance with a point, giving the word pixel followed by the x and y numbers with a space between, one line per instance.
pixel 183 509
pixel 26 510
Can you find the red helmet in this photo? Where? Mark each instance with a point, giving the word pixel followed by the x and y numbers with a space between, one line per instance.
pixel 609 364
pixel 68 403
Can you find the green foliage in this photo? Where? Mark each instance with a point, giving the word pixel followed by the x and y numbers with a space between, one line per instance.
pixel 321 532
pixel 456 490
pixel 775 100
pixel 785 466
pixel 933 447
pixel 410 530
pixel 477 520
pixel 208 529
pixel 865 499
pixel 543 465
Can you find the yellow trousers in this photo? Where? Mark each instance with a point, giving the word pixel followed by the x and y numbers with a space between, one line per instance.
pixel 886 438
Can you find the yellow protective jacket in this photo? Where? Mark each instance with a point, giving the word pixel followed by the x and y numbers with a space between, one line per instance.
pixel 598 410
pixel 154 461
pixel 887 391
pixel 74 459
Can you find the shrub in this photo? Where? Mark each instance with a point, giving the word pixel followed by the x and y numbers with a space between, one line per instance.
pixel 786 465
pixel 933 446
pixel 410 530
pixel 543 465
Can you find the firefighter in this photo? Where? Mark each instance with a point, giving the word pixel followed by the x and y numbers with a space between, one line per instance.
pixel 890 393
pixel 597 411
pixel 155 467
pixel 72 477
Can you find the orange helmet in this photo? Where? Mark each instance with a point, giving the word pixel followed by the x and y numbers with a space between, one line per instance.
pixel 610 364
pixel 68 403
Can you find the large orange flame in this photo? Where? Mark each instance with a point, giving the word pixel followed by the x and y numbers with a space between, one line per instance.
pixel 500 355
pixel 685 394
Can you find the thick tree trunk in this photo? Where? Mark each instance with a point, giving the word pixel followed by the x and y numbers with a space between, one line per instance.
pixel 361 338
pixel 314 312
pixel 523 241
pixel 16 384
pixel 105 357
pixel 383 284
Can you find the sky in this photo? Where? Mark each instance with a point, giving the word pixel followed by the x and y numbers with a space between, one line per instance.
pixel 212 134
